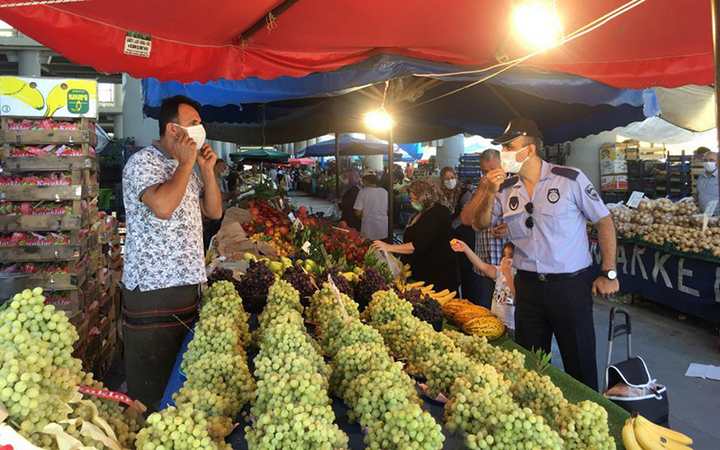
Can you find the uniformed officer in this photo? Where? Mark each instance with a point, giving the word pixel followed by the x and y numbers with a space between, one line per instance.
pixel 546 208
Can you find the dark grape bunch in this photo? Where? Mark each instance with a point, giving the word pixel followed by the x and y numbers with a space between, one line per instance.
pixel 370 282
pixel 220 274
pixel 301 281
pixel 340 281
pixel 253 286
pixel 430 311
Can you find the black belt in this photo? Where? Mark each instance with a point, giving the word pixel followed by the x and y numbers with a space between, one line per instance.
pixel 552 276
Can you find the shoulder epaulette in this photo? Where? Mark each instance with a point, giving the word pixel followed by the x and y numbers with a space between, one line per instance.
pixel 566 172
pixel 507 183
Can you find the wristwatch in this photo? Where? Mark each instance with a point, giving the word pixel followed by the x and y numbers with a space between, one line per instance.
pixel 609 274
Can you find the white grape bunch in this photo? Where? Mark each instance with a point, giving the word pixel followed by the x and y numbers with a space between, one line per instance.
pixel 181 428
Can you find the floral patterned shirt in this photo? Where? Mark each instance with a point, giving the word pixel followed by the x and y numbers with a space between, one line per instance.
pixel 161 253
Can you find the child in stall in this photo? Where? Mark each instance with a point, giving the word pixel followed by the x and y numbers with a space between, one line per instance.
pixel 503 301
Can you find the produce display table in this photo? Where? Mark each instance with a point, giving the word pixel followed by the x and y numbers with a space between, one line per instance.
pixel 684 282
pixel 574 391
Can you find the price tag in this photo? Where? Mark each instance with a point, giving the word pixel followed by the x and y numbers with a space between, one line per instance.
pixel 635 198
pixel 306 247
pixel 295 221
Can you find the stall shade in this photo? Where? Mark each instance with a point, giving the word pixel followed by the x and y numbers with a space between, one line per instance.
pixel 259 38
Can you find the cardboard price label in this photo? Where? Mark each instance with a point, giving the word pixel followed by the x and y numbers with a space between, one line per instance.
pixel 11 440
pixel 635 198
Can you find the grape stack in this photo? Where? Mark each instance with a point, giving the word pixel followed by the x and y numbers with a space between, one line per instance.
pixel 381 396
pixel 218 382
pixel 293 408
pixel 181 428
pixel 301 281
pixel 340 281
pixel 39 378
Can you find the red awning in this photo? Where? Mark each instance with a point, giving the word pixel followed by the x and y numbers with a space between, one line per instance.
pixel 659 43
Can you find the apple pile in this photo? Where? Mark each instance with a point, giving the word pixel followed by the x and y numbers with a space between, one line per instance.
pixel 267 220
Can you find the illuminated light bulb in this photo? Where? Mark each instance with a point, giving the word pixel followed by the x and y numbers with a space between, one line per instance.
pixel 537 24
pixel 379 120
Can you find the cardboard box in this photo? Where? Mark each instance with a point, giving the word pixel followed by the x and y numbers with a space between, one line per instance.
pixel 48 97
pixel 614 183
pixel 612 152
pixel 613 167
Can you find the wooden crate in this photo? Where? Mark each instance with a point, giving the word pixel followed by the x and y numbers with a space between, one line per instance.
pixel 20 222
pixel 43 193
pixel 59 281
pixel 84 134
pixel 73 303
pixel 47 253
pixel 48 163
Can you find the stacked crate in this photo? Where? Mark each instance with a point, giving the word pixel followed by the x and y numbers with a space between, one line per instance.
pixel 629 166
pixel 48 189
pixel 674 178
pixel 613 173
pixel 469 170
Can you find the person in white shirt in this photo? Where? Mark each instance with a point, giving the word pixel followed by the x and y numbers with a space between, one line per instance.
pixel 707 183
pixel 371 206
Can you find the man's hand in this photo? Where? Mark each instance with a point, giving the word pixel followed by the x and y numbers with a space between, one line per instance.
pixel 604 287
pixel 184 149
pixel 500 231
pixel 207 158
pixel 495 179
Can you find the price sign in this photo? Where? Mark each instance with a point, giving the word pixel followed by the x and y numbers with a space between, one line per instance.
pixel 10 439
pixel 635 198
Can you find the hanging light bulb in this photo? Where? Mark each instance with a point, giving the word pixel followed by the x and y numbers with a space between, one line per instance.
pixel 537 24
pixel 379 120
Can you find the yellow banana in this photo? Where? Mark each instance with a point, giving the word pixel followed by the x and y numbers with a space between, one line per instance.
pixel 31 96
pixel 414 285
pixel 665 432
pixel 442 293
pixel 427 289
pixel 628 436
pixel 11 85
pixel 649 439
pixel 56 99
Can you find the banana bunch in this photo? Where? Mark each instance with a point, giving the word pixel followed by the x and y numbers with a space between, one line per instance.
pixel 641 434
pixel 441 297
pixel 352 277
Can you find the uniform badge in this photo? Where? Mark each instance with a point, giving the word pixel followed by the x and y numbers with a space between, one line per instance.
pixel 514 203
pixel 591 192
pixel 553 195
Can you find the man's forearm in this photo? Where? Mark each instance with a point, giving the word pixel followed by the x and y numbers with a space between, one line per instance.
pixel 607 242
pixel 212 197
pixel 467 214
pixel 483 215
pixel 163 199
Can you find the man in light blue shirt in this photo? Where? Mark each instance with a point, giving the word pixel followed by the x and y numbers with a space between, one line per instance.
pixel 707 183
pixel 546 208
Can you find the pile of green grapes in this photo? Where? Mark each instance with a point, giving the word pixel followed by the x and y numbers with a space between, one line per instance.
pixel 179 428
pixel 381 396
pixel 491 392
pixel 293 408
pixel 39 378
pixel 218 382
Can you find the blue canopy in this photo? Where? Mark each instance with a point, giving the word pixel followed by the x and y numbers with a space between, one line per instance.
pixel 352 146
pixel 249 112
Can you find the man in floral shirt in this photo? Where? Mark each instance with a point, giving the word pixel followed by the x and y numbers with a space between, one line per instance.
pixel 167 188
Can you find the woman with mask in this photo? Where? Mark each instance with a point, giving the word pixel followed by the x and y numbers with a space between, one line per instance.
pixel 351 179
pixel 426 239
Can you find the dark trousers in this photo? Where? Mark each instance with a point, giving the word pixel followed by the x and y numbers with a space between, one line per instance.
pixel 154 326
pixel 562 307
pixel 469 280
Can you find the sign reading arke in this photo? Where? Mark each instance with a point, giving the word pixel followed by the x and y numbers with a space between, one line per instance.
pixel 686 284
pixel 47 97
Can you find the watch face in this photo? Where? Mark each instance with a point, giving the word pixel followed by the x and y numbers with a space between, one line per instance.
pixel 611 274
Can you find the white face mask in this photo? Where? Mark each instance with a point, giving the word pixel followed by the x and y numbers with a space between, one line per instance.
pixel 710 166
pixel 509 162
pixel 450 184
pixel 196 133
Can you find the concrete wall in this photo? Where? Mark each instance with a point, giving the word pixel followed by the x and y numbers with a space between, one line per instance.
pixel 135 124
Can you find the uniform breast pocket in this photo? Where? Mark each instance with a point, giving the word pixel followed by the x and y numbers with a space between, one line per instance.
pixel 556 218
pixel 516 225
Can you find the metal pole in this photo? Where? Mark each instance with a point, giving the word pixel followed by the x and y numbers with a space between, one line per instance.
pixel 715 7
pixel 391 194
pixel 337 166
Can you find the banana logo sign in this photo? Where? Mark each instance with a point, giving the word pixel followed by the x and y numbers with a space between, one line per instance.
pixel 26 92
pixel 48 97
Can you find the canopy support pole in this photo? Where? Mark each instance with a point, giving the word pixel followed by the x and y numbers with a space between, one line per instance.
pixel 264 21
pixel 715 7
pixel 391 193
pixel 337 166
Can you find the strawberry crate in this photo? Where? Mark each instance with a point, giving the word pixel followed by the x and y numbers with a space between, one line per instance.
pixel 29 132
